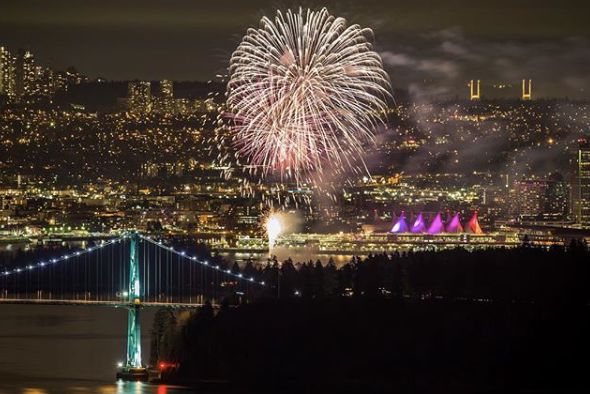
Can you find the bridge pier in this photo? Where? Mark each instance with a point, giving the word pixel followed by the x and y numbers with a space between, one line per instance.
pixel 133 338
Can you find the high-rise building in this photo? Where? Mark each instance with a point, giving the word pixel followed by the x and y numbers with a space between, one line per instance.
pixel 21 80
pixel 7 74
pixel 139 94
pixel 4 54
pixel 528 198
pixel 41 85
pixel 557 198
pixel 164 103
pixel 582 185
pixel 542 199
pixel 25 75
pixel 60 81
pixel 166 89
pixel 74 77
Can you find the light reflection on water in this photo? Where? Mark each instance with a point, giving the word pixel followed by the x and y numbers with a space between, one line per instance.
pixel 68 350
pixel 117 388
pixel 297 254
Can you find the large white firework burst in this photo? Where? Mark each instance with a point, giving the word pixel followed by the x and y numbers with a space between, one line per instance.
pixel 305 93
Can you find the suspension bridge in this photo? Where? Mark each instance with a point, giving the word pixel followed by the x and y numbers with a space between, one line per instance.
pixel 133 271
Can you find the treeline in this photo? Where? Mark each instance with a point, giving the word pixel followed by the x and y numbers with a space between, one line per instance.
pixel 523 274
pixel 413 322
pixel 363 345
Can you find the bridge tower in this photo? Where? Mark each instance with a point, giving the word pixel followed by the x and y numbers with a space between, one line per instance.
pixel 527 91
pixel 133 324
pixel 133 368
pixel 474 90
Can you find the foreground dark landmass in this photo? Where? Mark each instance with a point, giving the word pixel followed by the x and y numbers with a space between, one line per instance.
pixel 421 340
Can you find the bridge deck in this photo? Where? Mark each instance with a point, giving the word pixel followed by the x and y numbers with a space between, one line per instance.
pixel 116 304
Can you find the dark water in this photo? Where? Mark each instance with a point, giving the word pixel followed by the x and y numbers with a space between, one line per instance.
pixel 297 254
pixel 68 349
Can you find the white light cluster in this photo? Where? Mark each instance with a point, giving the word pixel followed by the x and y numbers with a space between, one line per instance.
pixel 194 258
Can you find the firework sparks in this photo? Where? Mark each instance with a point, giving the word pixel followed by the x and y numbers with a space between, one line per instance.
pixel 274 228
pixel 305 93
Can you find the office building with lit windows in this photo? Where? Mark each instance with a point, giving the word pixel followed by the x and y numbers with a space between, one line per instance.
pixel 139 97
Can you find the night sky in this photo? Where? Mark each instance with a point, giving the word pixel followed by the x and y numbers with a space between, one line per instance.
pixel 429 47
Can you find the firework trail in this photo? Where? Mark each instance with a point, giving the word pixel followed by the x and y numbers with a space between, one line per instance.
pixel 305 94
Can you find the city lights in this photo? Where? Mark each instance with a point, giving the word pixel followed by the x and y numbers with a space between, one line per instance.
pixel 269 198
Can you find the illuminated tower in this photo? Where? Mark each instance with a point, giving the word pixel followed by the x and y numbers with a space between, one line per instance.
pixel 474 90
pixel 166 88
pixel 7 74
pixel 3 69
pixel 164 102
pixel 140 97
pixel 133 324
pixel 24 74
pixel 527 89
pixel 528 198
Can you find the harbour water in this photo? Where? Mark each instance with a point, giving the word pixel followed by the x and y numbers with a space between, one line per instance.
pixel 68 349
pixel 297 254
pixel 9 252
pixel 51 349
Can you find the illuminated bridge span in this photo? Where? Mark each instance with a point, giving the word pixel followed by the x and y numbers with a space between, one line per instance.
pixel 132 271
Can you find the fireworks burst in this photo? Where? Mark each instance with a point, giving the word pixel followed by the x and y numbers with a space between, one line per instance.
pixel 305 93
pixel 274 228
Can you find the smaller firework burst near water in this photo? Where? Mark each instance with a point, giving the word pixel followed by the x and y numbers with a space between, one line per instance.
pixel 305 95
pixel 273 229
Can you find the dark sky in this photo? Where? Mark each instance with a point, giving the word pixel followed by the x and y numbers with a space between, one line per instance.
pixel 429 47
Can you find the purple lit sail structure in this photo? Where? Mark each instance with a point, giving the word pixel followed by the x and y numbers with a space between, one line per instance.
pixel 454 225
pixel 419 226
pixel 436 227
pixel 400 226
pixel 447 219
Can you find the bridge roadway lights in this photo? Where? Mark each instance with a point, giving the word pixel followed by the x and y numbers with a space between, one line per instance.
pixel 133 368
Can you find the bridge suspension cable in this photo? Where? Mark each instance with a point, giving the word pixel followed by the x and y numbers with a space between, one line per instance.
pixel 205 263
pixel 101 273
pixel 64 257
